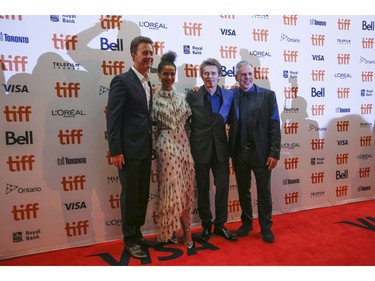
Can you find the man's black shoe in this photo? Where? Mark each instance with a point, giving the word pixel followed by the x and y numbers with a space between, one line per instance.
pixel 222 231
pixel 136 252
pixel 244 230
pixel 268 236
pixel 145 243
pixel 206 233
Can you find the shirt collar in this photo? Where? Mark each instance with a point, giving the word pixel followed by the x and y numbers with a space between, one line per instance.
pixel 217 92
pixel 142 78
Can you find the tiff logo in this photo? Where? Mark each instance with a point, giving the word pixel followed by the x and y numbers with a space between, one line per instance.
pixel 16 64
pixel 260 35
pixel 366 108
pixel 343 24
pixel 290 92
pixel 76 228
pixel 342 126
pixel 291 198
pixel 28 212
pixel 364 172
pixel 191 70
pixel 233 206
pixel 67 91
pixel 228 52
pixel 291 163
pixel 341 191
pixel 365 140
pixel 290 20
pixel 291 128
pixel 17 114
pixel 192 29
pixel 73 183
pixel 317 75
pixel 343 93
pixel 317 144
pixel 317 109
pixel 70 136
pixel 232 17
pixel 110 22
pixel 112 67
pixel 114 201
pixel 21 163
pixel 367 43
pixel 343 58
pixel 159 47
pixel 318 39
pixel 68 42
pixel 12 17
pixel 317 177
pixel 367 76
pixel 261 73
pixel 342 158
pixel 290 56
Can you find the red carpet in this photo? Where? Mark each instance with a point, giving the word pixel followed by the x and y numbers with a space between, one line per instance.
pixel 333 236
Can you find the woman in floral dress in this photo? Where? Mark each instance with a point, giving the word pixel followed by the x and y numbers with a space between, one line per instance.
pixel 175 164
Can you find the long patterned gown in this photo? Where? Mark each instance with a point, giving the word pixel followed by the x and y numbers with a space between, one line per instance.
pixel 175 164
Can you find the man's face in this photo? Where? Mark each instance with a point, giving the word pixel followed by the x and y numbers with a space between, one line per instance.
pixel 210 76
pixel 143 58
pixel 245 77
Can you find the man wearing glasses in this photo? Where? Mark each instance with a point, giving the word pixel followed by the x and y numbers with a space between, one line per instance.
pixel 209 146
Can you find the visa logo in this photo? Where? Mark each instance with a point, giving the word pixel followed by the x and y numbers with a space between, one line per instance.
pixel 229 32
pixel 318 57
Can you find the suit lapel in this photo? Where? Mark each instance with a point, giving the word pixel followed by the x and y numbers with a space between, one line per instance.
pixel 138 86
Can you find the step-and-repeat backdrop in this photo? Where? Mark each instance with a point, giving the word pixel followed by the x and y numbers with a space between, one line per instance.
pixel 58 188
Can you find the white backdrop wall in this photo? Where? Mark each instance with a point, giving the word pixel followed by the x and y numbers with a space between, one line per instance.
pixel 57 186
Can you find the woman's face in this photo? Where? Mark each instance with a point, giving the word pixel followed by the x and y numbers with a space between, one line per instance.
pixel 167 77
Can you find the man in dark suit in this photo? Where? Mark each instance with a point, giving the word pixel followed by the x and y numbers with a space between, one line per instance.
pixel 129 127
pixel 209 146
pixel 254 138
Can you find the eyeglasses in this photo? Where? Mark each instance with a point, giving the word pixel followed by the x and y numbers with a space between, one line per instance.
pixel 207 74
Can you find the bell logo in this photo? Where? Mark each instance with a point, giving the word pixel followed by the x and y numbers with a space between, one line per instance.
pixel 290 20
pixel 342 126
pixel 290 56
pixel 28 212
pixel 67 42
pixel 343 24
pixel 192 29
pixel 21 163
pixel 260 35
pixel 343 93
pixel 290 92
pixel 76 228
pixel 67 91
pixel 114 201
pixel 341 191
pixel 367 43
pixel 291 163
pixel 11 139
pixel 318 39
pixel 17 114
pixel 291 198
pixel 317 177
pixel 291 128
pixel 110 22
pixel 343 58
pixel 73 183
pixel 364 172
pixel 112 68
pixel 70 137
pixel 317 144
pixel 16 64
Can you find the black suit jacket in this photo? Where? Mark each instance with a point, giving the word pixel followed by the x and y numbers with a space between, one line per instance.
pixel 129 123
pixel 266 128
pixel 207 133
